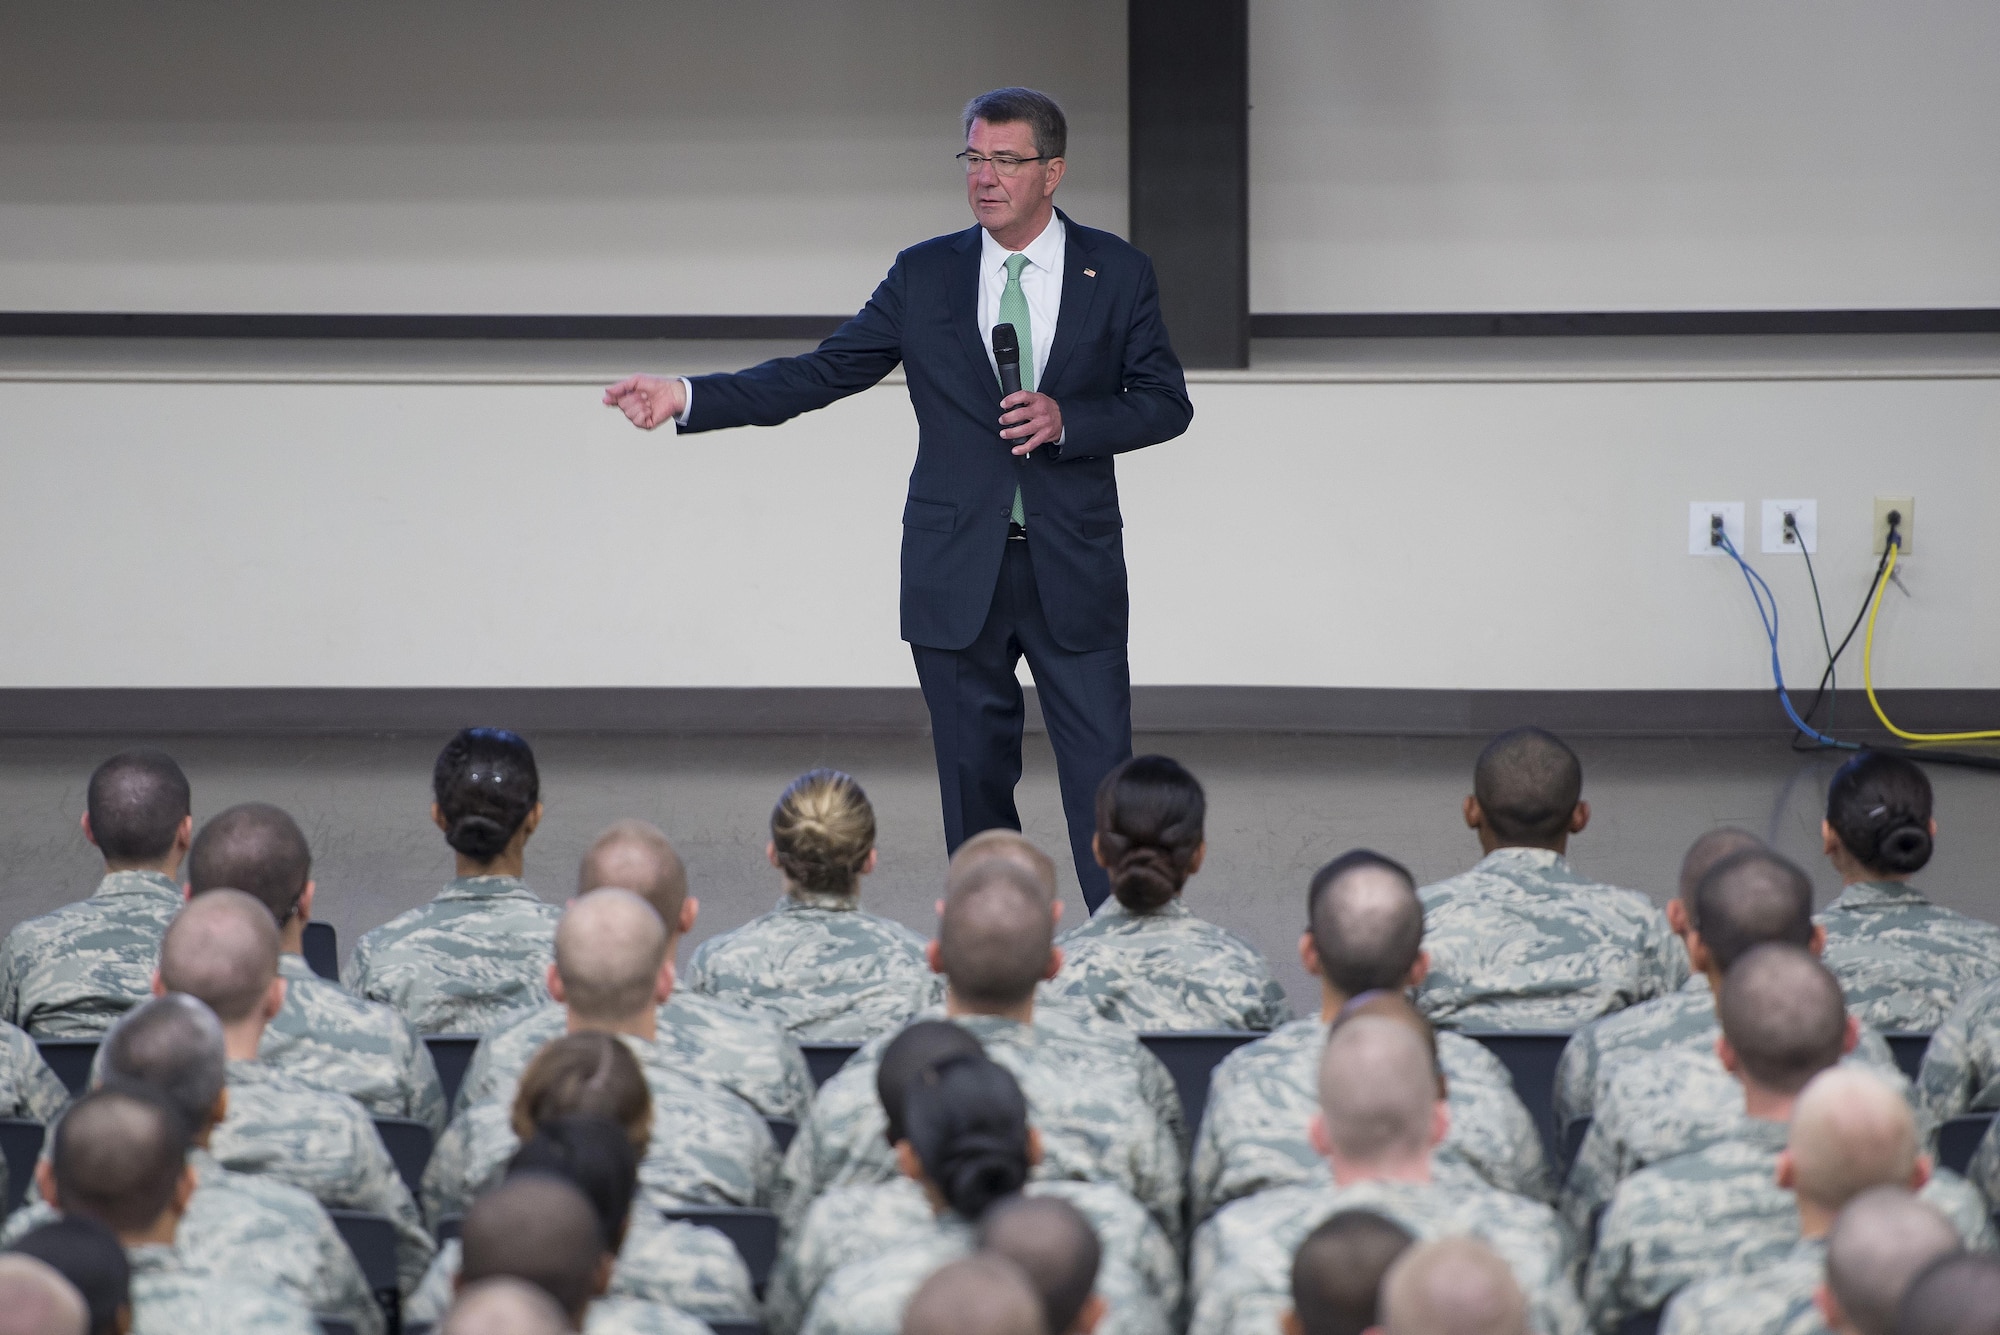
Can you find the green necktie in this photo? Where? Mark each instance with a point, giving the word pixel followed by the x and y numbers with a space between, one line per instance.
pixel 1014 311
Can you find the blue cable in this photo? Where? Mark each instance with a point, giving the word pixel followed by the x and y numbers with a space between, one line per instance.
pixel 1760 594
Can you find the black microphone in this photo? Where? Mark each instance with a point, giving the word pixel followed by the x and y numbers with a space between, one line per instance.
pixel 1007 354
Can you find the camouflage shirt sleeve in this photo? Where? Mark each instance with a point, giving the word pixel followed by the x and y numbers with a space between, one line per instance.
pixel 28 1088
pixel 1958 1070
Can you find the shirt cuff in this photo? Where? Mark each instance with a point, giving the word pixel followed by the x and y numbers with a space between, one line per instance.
pixel 687 402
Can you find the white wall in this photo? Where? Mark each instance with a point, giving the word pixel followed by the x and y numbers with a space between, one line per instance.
pixel 482 156
pixel 1565 155
pixel 1465 535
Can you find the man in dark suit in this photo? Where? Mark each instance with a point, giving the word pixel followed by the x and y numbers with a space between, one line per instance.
pixel 1012 538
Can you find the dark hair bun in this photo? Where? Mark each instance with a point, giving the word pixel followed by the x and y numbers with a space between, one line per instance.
pixel 1146 878
pixel 478 837
pixel 1880 809
pixel 978 1170
pixel 485 783
pixel 1150 812
pixel 1902 849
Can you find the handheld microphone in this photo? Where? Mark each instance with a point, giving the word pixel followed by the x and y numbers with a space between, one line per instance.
pixel 1007 355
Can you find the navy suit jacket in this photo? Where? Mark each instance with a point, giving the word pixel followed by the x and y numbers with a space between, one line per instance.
pixel 1110 369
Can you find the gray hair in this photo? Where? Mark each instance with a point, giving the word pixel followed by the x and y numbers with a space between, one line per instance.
pixel 1038 111
pixel 173 1043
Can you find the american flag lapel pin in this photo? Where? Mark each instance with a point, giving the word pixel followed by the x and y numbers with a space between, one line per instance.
pixel 1090 273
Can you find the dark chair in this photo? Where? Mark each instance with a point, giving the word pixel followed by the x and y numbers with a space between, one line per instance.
pixel 1530 1056
pixel 453 1054
pixel 70 1059
pixel 417 1328
pixel 1958 1139
pixel 1572 1142
pixel 333 1325
pixel 321 948
pixel 372 1239
pixel 741 1325
pixel 409 1144
pixel 754 1232
pixel 1191 1058
pixel 782 1131
pixel 1644 1323
pixel 448 1228
pixel 1908 1049
pixel 21 1143
pixel 823 1059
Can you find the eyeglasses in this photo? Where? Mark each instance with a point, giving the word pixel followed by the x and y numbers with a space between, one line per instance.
pixel 1003 164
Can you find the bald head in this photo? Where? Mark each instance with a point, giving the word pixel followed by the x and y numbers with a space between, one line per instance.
pixel 1956 1295
pixel 1056 1248
pixel 1851 1131
pixel 1527 783
pixel 222 949
pixel 997 935
pixel 119 1157
pixel 1378 1091
pixel 1751 898
pixel 1454 1286
pixel 1784 1015
pixel 35 1300
pixel 1879 1243
pixel 539 1228
pixel 1711 848
pixel 633 855
pixel 504 1306
pixel 1002 846
pixel 174 1044
pixel 1366 921
pixel 255 848
pixel 1337 1272
pixel 982 1294
pixel 610 946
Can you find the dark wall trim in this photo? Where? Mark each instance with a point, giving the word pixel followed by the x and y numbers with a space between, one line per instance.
pixel 1555 324
pixel 1188 67
pixel 888 709
pixel 61 324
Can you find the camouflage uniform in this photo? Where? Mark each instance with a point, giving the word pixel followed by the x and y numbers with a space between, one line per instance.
pixel 28 1088
pixel 327 1037
pixel 749 1055
pixel 170 1298
pixel 1167 970
pixel 1106 1109
pixel 1662 1104
pixel 1241 1266
pixel 1523 942
pixel 478 952
pixel 1716 1209
pixel 618 1314
pixel 277 1234
pixel 822 968
pixel 851 1224
pixel 1263 1095
pixel 1901 959
pixel 73 972
pixel 1757 1302
pixel 1681 1019
pixel 324 1144
pixel 1962 1064
pixel 867 1296
pixel 708 1146
pixel 685 1266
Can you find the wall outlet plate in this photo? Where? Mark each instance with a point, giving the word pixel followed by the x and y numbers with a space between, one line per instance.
pixel 1906 524
pixel 1805 517
pixel 1701 519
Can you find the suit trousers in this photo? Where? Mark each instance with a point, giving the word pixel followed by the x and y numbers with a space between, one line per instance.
pixel 977 712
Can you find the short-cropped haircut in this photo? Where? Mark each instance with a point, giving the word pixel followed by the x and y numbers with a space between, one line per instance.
pixel 1784 1014
pixel 223 949
pixel 1750 899
pixel 1366 921
pixel 1958 1295
pixel 995 938
pixel 137 801
pixel 87 1254
pixel 1056 1248
pixel 174 1044
pixel 258 849
pixel 1023 106
pixel 1528 783
pixel 537 1227
pixel 1337 1272
pixel 118 1157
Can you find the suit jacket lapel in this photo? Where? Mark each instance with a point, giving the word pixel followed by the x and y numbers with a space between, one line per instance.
pixel 965 307
pixel 1079 295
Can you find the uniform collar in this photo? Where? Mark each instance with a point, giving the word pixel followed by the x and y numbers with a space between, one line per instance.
pixel 488 887
pixel 1173 908
pixel 139 884
pixel 294 969
pixel 1042 252
pixel 1540 859
pixel 246 1073
pixel 154 1258
pixel 1863 894
pixel 797 900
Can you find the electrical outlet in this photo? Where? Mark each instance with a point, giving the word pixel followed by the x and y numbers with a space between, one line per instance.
pixel 1803 534
pixel 1701 526
pixel 1906 524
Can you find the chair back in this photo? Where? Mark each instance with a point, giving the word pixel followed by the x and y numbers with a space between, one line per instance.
pixel 21 1144
pixel 452 1054
pixel 321 947
pixel 1530 1056
pixel 1191 1058
pixel 823 1059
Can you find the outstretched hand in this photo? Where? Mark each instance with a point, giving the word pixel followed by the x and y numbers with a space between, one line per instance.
pixel 648 400
pixel 1031 420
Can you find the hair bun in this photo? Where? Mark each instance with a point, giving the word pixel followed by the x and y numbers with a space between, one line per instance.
pixel 478 837
pixel 1146 878
pixel 1904 847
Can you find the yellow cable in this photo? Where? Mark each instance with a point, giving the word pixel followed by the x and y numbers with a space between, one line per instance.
pixel 1868 668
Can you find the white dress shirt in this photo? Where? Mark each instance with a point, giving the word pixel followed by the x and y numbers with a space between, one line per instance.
pixel 1041 284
